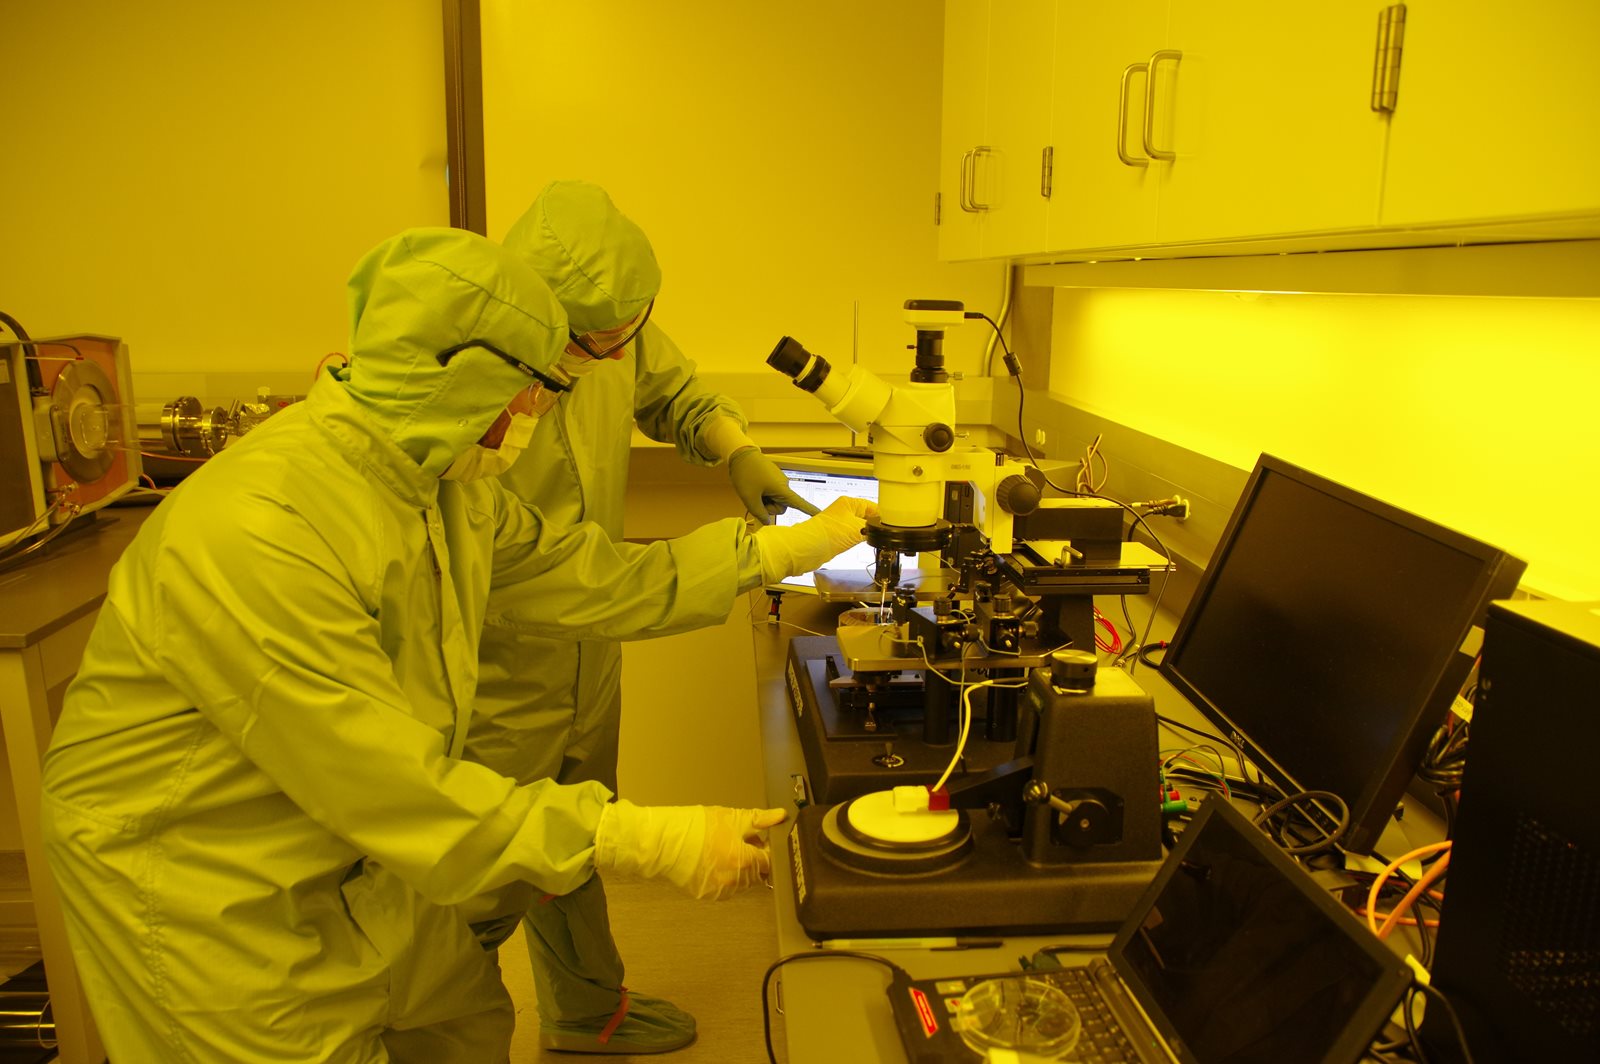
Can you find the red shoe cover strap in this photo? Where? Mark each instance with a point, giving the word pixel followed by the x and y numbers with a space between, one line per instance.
pixel 616 1018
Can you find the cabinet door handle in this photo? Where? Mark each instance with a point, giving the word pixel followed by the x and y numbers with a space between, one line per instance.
pixel 1122 117
pixel 969 180
pixel 1150 148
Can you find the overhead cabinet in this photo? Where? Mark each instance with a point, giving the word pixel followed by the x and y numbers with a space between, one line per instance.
pixel 1076 129
pixel 1498 114
pixel 994 179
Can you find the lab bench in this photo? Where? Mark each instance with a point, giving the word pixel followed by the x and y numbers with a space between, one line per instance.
pixel 837 1009
pixel 47 610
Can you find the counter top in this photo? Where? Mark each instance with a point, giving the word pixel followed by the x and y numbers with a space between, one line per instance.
pixel 838 1009
pixel 840 1004
pixel 38 598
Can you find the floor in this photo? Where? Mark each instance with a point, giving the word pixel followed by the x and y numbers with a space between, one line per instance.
pixel 707 958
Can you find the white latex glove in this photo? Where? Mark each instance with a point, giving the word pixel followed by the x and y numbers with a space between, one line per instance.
pixel 789 550
pixel 709 851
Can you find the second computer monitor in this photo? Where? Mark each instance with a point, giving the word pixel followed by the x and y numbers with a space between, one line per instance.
pixel 1330 634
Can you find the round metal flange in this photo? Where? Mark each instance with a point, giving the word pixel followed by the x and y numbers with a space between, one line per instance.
pixel 908 540
pixel 81 420
pixel 847 843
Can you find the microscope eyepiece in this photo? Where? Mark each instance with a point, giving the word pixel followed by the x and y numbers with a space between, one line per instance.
pixel 808 371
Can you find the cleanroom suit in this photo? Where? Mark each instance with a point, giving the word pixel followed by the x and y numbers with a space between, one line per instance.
pixel 550 707
pixel 254 803
pixel 553 708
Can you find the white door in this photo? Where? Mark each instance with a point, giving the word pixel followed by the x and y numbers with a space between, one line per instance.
pixel 1105 185
pixel 1017 126
pixel 1267 106
pixel 1498 114
pixel 966 72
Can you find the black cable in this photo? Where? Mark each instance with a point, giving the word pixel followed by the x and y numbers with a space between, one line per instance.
pixel 1436 994
pixel 1328 839
pixel 1133 629
pixel 29 353
pixel 1169 722
pixel 1445 760
pixel 1194 777
pixel 766 982
pixel 1145 650
pixel 1411 1024
pixel 15 326
pixel 1424 932
pixel 1014 367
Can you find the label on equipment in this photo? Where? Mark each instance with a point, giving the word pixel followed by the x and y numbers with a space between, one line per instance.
pixel 799 869
pixel 930 1023
pixel 794 692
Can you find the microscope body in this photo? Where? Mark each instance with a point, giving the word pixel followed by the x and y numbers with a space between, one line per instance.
pixel 1058 788
pixel 1003 604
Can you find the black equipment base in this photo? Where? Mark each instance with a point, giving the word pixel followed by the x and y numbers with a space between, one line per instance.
pixel 990 889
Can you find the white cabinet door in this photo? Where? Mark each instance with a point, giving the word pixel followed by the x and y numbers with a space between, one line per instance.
pixel 1104 191
pixel 1017 126
pixel 1268 108
pixel 966 74
pixel 1498 112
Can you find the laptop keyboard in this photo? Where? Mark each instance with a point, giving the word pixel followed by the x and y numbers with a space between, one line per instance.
pixel 1102 1040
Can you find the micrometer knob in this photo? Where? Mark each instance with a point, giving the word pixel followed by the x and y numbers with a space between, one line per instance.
pixel 939 437
pixel 1083 822
pixel 1018 495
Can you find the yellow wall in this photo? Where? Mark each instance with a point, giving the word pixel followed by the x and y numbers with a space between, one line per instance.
pixel 199 178
pixel 1478 413
pixel 782 157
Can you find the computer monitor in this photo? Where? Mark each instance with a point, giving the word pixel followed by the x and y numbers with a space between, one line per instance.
pixel 1330 634
pixel 819 478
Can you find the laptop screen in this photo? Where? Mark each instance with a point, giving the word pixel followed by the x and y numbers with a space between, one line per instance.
pixel 1240 956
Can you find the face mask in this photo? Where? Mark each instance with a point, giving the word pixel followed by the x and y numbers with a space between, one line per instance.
pixel 479 461
pixel 572 366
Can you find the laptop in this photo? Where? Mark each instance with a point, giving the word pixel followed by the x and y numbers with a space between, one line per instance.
pixel 1234 954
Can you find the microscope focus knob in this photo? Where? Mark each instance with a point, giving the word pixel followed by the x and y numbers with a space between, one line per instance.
pixel 1084 822
pixel 939 437
pixel 1018 495
pixel 1073 670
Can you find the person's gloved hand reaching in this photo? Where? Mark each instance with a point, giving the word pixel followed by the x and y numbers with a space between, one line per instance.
pixel 708 851
pixel 789 550
pixel 760 484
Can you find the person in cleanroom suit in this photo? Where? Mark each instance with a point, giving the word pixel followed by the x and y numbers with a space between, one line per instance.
pixel 266 842
pixel 553 708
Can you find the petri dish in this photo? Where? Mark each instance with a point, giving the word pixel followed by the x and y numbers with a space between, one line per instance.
pixel 1018 1012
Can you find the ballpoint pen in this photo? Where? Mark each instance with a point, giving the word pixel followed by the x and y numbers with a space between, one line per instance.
pixel 937 942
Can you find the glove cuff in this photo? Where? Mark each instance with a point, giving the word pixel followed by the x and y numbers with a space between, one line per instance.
pixel 724 436
pixel 608 831
pixel 650 841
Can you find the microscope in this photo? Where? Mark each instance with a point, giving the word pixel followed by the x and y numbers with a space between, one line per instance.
pixel 1048 817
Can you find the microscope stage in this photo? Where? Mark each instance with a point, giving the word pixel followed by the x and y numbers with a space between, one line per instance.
pixel 849 752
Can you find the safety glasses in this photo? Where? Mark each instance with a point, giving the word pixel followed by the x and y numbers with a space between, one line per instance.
pixel 548 381
pixel 606 342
